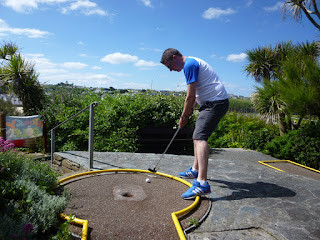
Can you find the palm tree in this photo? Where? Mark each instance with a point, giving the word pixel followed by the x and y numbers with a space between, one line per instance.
pixel 7 50
pixel 17 76
pixel 270 106
pixel 261 63
pixel 268 66
pixel 264 65
pixel 299 85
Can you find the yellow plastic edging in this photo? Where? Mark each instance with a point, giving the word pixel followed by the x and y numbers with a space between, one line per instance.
pixel 174 215
pixel 264 163
pixel 79 221
pixel 300 165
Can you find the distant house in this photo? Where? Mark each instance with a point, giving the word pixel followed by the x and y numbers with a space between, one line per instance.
pixel 13 99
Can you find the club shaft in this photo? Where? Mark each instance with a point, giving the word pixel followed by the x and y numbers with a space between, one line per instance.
pixel 167 147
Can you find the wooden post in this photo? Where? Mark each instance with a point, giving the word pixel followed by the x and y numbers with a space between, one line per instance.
pixel 3 125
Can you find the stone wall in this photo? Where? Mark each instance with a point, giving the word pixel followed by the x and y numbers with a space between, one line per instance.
pixel 63 165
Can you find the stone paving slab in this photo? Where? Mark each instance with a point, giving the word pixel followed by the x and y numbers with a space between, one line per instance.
pixel 249 200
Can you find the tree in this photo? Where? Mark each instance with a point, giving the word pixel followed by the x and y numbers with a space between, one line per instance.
pixel 269 105
pixel 18 76
pixel 264 62
pixel 283 81
pixel 308 7
pixel 299 85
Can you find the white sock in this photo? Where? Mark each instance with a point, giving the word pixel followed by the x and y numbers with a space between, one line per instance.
pixel 194 170
pixel 202 182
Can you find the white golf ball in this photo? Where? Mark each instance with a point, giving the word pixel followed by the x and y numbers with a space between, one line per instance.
pixel 147 180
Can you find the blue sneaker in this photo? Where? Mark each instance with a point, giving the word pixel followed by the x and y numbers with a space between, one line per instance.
pixel 188 174
pixel 196 190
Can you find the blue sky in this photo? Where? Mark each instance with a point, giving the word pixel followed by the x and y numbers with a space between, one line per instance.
pixel 119 43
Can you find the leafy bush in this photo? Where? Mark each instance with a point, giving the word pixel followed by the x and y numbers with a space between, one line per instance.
pixel 241 106
pixel 117 118
pixel 8 108
pixel 302 146
pixel 235 130
pixel 28 206
pixel 257 140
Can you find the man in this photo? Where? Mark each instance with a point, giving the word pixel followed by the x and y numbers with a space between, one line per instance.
pixel 204 88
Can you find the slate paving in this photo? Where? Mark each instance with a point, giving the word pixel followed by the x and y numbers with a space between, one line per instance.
pixel 249 200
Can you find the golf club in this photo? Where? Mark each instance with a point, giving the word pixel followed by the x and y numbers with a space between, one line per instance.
pixel 154 169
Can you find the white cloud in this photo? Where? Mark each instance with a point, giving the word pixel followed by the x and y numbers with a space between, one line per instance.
pixel 5 29
pixel 87 79
pixel 117 58
pixel 40 61
pixel 236 57
pixel 120 74
pixel 82 4
pixel 100 12
pixel 52 73
pixel 44 66
pixel 86 7
pixel 143 63
pixel 147 3
pixel 21 5
pixel 150 49
pixel 132 85
pixel 96 68
pixel 74 65
pixel 249 3
pixel 216 13
pixel 274 8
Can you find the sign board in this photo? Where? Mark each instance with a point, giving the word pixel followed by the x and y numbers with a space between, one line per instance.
pixel 23 131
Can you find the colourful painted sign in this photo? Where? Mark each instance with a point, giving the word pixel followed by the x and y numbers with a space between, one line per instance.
pixel 22 131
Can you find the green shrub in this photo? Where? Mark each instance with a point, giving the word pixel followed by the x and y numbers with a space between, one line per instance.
pixel 302 146
pixel 28 206
pixel 241 106
pixel 257 140
pixel 8 108
pixel 118 117
pixel 235 130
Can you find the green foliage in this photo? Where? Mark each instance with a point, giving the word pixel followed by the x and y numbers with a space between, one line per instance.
pixel 8 108
pixel 18 76
pixel 118 117
pixel 63 232
pixel 241 106
pixel 235 130
pixel 193 222
pixel 299 85
pixel 290 75
pixel 28 206
pixel 302 146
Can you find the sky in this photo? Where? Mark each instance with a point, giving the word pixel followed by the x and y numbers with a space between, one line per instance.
pixel 119 43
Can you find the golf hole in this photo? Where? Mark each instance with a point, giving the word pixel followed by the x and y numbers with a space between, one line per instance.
pixel 127 194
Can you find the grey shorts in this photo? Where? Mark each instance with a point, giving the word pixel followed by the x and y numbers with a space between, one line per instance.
pixel 209 117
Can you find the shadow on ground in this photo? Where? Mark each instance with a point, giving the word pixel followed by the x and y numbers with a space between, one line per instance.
pixel 244 190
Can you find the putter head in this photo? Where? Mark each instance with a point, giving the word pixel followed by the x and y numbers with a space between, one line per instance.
pixel 152 170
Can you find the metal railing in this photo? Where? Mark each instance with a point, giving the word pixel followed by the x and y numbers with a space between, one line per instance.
pixel 91 126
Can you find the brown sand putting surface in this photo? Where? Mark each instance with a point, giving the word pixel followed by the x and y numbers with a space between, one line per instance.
pixel 295 169
pixel 125 206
